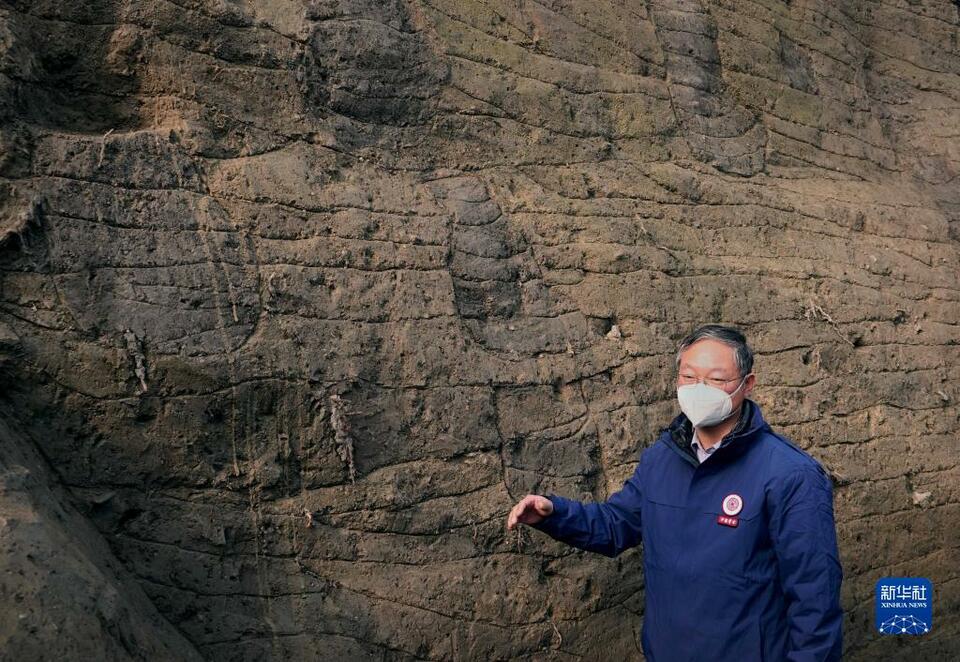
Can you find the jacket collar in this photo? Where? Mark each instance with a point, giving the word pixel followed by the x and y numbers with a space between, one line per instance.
pixel 680 432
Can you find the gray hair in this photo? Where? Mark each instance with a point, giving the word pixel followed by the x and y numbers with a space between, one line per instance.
pixel 727 335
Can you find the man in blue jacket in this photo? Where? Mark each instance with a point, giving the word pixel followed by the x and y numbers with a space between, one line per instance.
pixel 740 551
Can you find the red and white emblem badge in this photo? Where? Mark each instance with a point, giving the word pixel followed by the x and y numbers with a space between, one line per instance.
pixel 732 505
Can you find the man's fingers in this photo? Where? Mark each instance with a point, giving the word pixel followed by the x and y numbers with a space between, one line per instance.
pixel 524 508
pixel 512 518
pixel 531 509
pixel 517 513
pixel 544 506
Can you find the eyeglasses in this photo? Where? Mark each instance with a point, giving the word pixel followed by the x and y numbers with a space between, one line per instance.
pixel 686 380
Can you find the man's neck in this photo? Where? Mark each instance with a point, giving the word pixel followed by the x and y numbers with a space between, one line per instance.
pixel 710 436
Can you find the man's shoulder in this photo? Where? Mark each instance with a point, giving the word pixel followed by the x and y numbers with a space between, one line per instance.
pixel 653 451
pixel 785 457
pixel 656 453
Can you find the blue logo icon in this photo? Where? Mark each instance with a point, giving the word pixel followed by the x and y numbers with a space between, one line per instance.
pixel 904 605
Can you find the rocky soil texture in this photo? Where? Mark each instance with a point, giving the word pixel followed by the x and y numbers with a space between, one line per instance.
pixel 298 297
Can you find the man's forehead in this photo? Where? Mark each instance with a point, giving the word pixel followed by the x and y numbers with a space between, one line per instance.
pixel 710 354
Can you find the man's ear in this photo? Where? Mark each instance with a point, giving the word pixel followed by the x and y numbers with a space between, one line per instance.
pixel 748 384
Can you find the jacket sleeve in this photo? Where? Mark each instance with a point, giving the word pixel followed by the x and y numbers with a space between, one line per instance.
pixel 804 539
pixel 607 528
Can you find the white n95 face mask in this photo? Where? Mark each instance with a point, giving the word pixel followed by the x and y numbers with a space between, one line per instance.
pixel 705 405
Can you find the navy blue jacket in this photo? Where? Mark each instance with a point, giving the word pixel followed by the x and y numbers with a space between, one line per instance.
pixel 767 588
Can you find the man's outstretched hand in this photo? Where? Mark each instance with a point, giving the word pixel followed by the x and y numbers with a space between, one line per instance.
pixel 531 509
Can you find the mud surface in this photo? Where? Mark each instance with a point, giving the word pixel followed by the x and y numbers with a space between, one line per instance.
pixel 297 298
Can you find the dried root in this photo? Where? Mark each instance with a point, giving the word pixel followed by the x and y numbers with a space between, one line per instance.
pixel 341 429
pixel 135 348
